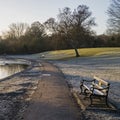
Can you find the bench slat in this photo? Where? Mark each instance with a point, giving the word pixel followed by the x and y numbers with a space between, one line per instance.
pixel 97 92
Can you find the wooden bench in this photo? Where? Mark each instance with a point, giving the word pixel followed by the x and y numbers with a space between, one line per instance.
pixel 95 88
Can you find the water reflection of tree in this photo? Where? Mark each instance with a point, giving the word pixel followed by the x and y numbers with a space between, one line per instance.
pixel 7 70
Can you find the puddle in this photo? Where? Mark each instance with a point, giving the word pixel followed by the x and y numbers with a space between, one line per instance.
pixel 46 75
pixel 10 69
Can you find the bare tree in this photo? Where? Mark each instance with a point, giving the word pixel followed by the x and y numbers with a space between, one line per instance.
pixel 51 26
pixel 16 30
pixel 36 30
pixel 74 26
pixel 114 17
pixel 81 22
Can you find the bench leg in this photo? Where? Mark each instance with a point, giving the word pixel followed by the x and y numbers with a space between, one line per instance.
pixel 106 101
pixel 81 89
pixel 91 100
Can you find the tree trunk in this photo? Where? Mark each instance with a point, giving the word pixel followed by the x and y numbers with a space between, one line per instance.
pixel 76 52
pixel 75 48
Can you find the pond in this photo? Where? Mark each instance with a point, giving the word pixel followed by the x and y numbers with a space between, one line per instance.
pixel 9 69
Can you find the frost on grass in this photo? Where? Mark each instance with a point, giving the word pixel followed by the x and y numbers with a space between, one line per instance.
pixel 105 67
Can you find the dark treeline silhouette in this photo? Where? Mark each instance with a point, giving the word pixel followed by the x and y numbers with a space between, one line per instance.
pixel 71 30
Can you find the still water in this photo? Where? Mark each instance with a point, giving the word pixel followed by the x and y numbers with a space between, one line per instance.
pixel 10 69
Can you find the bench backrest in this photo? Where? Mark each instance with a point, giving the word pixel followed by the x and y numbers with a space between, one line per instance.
pixel 102 84
pixel 101 81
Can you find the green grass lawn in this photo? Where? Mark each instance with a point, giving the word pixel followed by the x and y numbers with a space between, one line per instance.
pixel 84 52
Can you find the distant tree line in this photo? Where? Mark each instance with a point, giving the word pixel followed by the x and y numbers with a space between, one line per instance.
pixel 71 30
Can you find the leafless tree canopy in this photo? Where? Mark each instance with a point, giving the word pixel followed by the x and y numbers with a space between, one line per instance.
pixel 36 29
pixel 114 17
pixel 16 30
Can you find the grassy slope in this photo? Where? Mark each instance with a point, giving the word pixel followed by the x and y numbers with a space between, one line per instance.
pixel 85 52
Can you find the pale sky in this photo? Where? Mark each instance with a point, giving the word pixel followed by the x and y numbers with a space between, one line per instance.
pixel 28 11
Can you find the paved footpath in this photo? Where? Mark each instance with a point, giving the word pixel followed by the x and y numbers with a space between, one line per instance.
pixel 52 100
